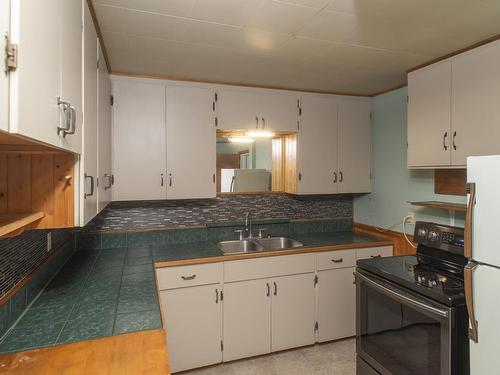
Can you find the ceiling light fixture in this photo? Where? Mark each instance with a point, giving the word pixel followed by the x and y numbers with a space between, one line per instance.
pixel 241 140
pixel 259 134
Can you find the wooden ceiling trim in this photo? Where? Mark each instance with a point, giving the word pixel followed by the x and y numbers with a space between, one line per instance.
pixel 458 52
pixel 99 34
pixel 240 84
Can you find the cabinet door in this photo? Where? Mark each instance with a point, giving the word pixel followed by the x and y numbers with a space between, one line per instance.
pixel 190 143
pixel 104 122
pixel 475 103
pixel 317 146
pixel 88 160
pixel 247 319
pixel 429 116
pixel 4 78
pixel 293 311
pixel 71 69
pixel 278 111
pixel 336 304
pixel 35 84
pixel 237 109
pixel 139 145
pixel 192 320
pixel 354 146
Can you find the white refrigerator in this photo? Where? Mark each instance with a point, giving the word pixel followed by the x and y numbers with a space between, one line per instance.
pixel 482 274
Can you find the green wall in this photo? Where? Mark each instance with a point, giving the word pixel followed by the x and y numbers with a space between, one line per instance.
pixel 393 183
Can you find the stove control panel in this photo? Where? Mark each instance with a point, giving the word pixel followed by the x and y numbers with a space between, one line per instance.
pixel 438 236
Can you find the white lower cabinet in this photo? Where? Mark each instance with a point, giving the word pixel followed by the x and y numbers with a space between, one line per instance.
pixel 293 312
pixel 247 319
pixel 336 304
pixel 193 322
pixel 221 312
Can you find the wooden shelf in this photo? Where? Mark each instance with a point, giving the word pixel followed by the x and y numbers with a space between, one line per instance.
pixel 15 224
pixel 443 205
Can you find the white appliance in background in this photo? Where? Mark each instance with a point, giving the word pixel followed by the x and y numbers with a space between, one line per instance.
pixel 482 274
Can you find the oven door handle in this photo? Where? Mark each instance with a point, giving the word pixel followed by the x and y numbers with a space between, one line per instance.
pixel 402 298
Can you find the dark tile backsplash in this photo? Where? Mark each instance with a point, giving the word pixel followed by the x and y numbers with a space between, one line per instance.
pixel 19 257
pixel 228 208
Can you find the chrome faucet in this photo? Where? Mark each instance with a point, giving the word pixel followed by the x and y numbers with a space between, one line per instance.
pixel 248 225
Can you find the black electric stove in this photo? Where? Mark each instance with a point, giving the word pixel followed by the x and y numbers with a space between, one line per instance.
pixel 436 271
pixel 411 313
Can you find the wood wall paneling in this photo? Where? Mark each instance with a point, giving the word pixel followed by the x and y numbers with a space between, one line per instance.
pixel 290 175
pixel 450 181
pixel 37 182
pixel 278 165
pixel 400 245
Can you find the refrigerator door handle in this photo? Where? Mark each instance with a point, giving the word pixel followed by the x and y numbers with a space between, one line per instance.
pixel 469 298
pixel 471 200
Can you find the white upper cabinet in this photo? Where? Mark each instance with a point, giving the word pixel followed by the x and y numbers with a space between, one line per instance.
pixel 475 105
pixel 4 78
pixel 354 144
pixel 49 38
pixel 256 109
pixel 317 146
pixel 71 71
pixel 190 143
pixel 36 83
pixel 453 109
pixel 278 111
pixel 237 109
pixel 88 159
pixel 429 116
pixel 139 140
pixel 104 125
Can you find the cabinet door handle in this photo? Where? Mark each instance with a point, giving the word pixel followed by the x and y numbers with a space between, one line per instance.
pixel 110 181
pixel 170 179
pixel 275 289
pixel 66 107
pixel 454 144
pixel 268 289
pixel 334 177
pixel 341 177
pixel 339 260
pixel 263 123
pixel 192 277
pixel 161 179
pixel 216 296
pixel 445 136
pixel 72 121
pixel 256 122
pixel 85 195
pixel 375 256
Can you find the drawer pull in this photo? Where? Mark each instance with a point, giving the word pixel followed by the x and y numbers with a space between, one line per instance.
pixel 340 260
pixel 376 256
pixel 192 277
pixel 216 295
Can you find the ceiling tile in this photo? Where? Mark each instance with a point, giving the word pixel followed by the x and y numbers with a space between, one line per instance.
pixel 172 7
pixel 110 18
pixel 230 12
pixel 118 3
pixel 316 4
pixel 303 48
pixel 279 17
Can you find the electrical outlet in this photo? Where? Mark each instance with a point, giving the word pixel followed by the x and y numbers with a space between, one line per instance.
pixel 411 216
pixel 49 241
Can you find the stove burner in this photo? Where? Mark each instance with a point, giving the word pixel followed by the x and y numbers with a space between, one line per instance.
pixel 432 279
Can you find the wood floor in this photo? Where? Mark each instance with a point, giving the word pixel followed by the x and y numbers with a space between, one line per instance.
pixel 336 358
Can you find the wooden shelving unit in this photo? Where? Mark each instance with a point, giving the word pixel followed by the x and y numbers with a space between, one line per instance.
pixel 442 205
pixel 15 224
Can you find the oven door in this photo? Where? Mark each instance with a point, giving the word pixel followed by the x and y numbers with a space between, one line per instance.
pixel 399 332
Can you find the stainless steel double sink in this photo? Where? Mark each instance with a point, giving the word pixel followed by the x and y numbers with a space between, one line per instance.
pixel 250 245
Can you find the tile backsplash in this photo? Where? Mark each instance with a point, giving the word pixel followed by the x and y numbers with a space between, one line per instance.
pixel 226 208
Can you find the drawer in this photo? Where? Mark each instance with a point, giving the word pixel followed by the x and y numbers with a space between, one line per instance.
pixel 336 259
pixel 259 268
pixel 182 276
pixel 374 252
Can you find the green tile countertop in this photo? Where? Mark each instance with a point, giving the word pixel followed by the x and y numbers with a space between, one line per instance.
pixel 97 293
pixel 207 249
